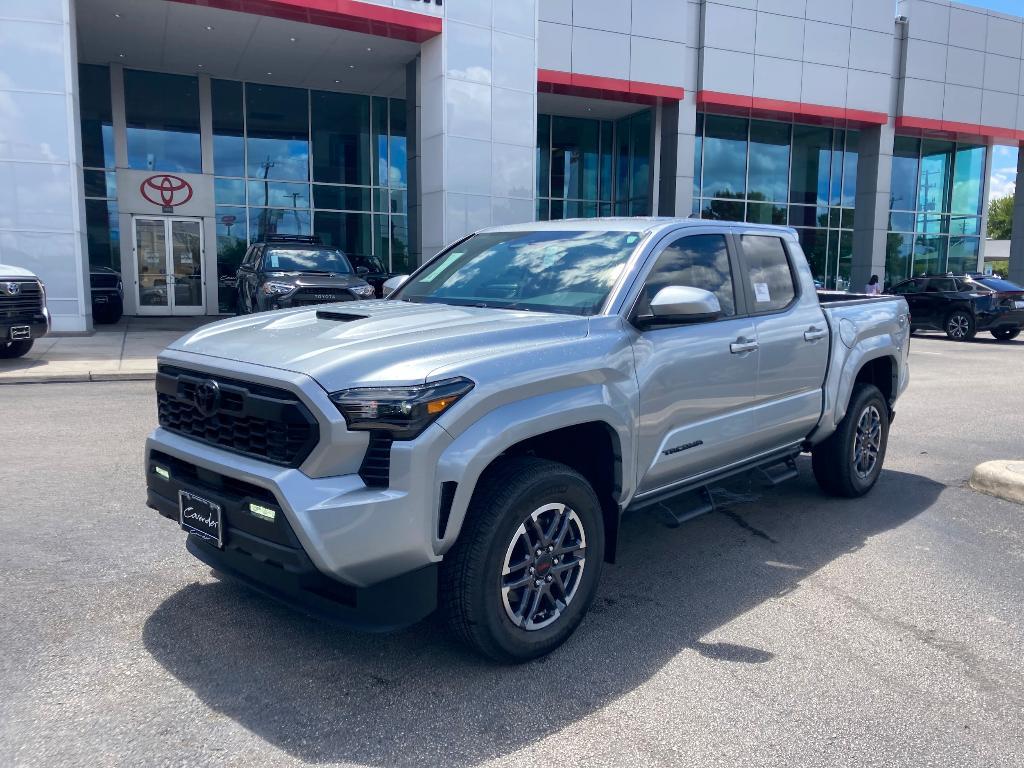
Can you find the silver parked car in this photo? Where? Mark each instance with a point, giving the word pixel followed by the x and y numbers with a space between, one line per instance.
pixel 473 441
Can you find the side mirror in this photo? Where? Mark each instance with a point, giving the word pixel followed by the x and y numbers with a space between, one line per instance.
pixel 677 304
pixel 393 284
pixel 362 270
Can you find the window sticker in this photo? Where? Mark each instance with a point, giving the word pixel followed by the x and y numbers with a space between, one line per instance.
pixel 761 293
pixel 447 262
pixel 274 262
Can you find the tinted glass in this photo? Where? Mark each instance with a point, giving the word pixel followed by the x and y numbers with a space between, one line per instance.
pixel 543 155
pixel 97 120
pixel 278 194
pixel 574 158
pixel 341 137
pixel 963 254
pixel 769 161
pixel 936 164
pixel 768 273
pixel 398 160
pixel 725 156
pixel 103 233
pixel 278 132
pixel 305 260
pixel 812 163
pixel 567 272
pixel 999 285
pixel 943 284
pixel 228 128
pixel 968 180
pixel 903 185
pixel 698 261
pixel 348 231
pixel 850 169
pixel 278 221
pixel 162 115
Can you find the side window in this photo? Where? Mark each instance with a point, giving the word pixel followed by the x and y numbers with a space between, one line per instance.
pixel 768 273
pixel 946 284
pixel 697 261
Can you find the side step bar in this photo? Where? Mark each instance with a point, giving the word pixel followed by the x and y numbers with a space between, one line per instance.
pixel 677 514
pixel 788 471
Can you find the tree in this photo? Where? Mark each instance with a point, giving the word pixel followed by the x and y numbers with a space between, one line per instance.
pixel 1000 218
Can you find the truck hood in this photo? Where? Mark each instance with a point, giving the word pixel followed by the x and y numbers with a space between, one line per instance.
pixel 376 343
pixel 9 271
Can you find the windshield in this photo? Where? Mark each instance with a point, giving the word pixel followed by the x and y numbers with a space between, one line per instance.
pixel 568 272
pixel 306 260
pixel 372 263
pixel 999 285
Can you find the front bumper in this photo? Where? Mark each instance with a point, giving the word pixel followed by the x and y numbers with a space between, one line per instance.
pixel 269 557
pixel 39 325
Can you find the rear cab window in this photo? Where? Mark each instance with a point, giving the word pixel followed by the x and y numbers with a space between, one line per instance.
pixel 769 276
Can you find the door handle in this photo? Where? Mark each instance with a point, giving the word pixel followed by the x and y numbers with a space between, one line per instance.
pixel 813 334
pixel 741 346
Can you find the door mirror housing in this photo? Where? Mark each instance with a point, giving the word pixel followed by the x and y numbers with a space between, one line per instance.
pixel 393 284
pixel 680 304
pixel 362 270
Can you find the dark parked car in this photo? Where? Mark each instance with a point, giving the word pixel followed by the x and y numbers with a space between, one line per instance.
pixel 962 305
pixel 372 270
pixel 294 271
pixel 107 294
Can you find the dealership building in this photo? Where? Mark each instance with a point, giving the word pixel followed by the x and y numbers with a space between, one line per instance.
pixel 160 137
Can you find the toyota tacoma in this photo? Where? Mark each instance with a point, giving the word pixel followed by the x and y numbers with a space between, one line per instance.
pixel 472 442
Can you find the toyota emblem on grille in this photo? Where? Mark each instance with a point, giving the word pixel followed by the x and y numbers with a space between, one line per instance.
pixel 13 289
pixel 207 397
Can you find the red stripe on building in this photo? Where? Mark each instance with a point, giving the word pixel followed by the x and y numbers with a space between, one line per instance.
pixel 349 15
pixel 952 129
pixel 606 88
pixel 753 106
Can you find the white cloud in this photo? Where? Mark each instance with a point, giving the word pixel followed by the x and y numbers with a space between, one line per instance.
pixel 1004 172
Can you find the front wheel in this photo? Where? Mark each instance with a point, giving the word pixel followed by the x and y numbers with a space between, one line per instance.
pixel 9 349
pixel 1005 334
pixel 960 326
pixel 526 565
pixel 849 462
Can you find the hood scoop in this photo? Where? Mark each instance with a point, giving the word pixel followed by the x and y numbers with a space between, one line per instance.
pixel 341 317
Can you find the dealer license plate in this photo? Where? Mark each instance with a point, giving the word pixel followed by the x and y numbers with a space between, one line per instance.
pixel 201 518
pixel 21 332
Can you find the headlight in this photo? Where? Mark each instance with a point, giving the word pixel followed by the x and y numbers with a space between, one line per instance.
pixel 363 291
pixel 402 411
pixel 272 289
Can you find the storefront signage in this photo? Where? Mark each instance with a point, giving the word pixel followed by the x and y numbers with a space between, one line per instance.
pixel 166 191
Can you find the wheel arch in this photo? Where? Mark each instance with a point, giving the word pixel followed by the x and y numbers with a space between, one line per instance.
pixel 593 440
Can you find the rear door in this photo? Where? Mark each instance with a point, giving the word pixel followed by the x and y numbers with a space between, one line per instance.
pixel 913 292
pixel 696 381
pixel 792 338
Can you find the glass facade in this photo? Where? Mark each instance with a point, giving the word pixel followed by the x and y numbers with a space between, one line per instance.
pixel 782 173
pixel 103 232
pixel 162 115
pixel 588 168
pixel 936 198
pixel 293 161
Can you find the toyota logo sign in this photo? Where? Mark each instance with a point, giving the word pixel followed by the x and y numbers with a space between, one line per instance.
pixel 206 397
pixel 166 191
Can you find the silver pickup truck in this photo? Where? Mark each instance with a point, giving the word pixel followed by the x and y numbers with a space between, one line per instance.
pixel 473 441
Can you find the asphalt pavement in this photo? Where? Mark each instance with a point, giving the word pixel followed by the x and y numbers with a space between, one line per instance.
pixel 787 629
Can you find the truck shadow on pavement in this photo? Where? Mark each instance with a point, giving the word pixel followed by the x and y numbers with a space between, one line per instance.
pixel 324 694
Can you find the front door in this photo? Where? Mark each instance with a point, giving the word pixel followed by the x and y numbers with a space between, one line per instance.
pixel 169 265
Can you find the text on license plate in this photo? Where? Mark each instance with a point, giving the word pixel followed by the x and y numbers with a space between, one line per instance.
pixel 201 517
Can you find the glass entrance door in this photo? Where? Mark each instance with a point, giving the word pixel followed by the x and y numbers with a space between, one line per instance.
pixel 169 266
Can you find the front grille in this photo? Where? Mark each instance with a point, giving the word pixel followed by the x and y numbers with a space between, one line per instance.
pixel 376 467
pixel 104 280
pixel 252 419
pixel 27 301
pixel 310 296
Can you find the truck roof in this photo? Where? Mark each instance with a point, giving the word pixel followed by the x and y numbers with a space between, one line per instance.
pixel 631 224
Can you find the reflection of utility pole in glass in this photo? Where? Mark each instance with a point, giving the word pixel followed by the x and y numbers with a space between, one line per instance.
pixel 266 165
pixel 295 210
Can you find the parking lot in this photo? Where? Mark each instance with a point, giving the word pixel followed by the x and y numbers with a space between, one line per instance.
pixel 785 629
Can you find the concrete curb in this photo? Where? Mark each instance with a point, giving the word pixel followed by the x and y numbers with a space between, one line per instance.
pixel 77 378
pixel 1003 479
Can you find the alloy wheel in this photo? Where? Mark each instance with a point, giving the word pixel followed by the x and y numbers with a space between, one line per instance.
pixel 867 442
pixel 958 326
pixel 543 566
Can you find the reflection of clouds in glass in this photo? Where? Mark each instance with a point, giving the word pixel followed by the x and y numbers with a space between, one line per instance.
pixel 698 261
pixel 280 158
pixel 724 167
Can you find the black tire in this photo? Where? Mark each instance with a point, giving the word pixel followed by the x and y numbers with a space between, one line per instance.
pixel 959 326
pixel 107 315
pixel 10 349
pixel 509 494
pixel 834 460
pixel 1005 334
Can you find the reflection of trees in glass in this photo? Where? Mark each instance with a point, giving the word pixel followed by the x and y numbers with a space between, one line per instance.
pixel 1000 217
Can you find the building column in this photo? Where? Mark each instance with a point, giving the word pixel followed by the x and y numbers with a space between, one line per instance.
pixel 686 143
pixel 871 211
pixel 1016 270
pixel 478 122
pixel 986 189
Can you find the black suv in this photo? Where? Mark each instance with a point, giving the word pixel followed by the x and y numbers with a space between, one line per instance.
pixel 372 270
pixel 107 294
pixel 295 271
pixel 962 305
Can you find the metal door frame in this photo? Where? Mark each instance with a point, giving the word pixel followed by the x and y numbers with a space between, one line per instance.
pixel 170 309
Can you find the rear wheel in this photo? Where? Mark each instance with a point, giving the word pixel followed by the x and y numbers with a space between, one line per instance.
pixel 960 326
pixel 1005 334
pixel 849 462
pixel 9 349
pixel 526 565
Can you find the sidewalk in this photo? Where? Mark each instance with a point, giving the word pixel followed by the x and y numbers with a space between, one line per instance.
pixel 126 350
